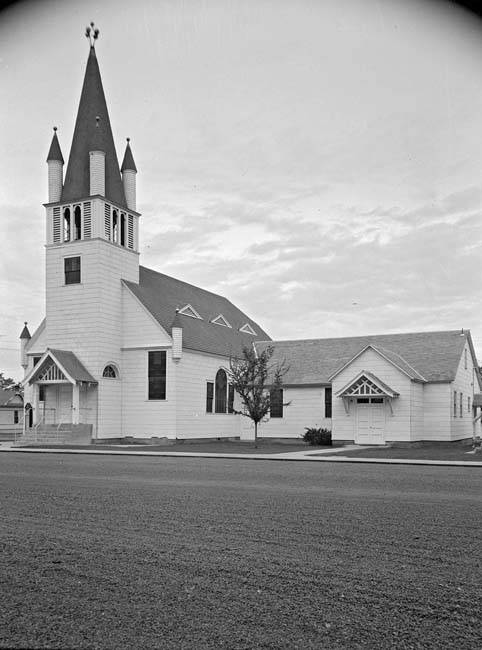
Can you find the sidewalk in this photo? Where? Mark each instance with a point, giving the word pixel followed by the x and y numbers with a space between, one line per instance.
pixel 317 455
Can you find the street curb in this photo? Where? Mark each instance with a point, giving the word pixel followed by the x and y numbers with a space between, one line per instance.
pixel 278 457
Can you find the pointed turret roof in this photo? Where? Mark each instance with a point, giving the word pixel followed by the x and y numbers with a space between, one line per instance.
pixel 25 333
pixel 54 152
pixel 90 137
pixel 128 162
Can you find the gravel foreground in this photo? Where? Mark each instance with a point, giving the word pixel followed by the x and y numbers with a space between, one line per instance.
pixel 110 552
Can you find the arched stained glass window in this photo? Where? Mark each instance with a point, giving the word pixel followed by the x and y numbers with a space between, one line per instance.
pixel 221 391
pixel 110 372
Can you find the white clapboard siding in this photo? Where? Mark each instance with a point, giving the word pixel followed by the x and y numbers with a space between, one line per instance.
pixel 86 318
pixel 143 418
pixel 306 409
pixel 194 370
pixel 465 382
pixel 398 425
pixel 416 411
pixel 437 412
pixel 139 327
pixel 110 413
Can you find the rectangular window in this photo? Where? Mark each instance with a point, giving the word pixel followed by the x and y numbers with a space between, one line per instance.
pixel 468 404
pixel 460 404
pixel 209 396
pixel 230 398
pixel 41 393
pixel 328 402
pixel 276 403
pixel 455 403
pixel 36 360
pixel 72 270
pixel 157 374
pixel 15 417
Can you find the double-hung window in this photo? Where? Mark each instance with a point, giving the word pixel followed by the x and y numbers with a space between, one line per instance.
pixel 276 403
pixel 72 270
pixel 157 374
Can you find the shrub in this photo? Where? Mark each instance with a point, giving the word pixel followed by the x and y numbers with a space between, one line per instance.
pixel 316 436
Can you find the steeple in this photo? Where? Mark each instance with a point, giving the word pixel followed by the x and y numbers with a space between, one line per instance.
pixel 92 133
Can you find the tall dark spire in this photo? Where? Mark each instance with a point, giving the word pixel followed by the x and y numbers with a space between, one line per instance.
pixel 92 134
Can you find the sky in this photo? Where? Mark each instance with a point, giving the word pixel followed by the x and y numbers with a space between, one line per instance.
pixel 318 162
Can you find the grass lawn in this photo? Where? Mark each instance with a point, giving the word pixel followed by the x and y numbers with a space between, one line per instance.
pixel 193 553
pixel 455 452
pixel 214 447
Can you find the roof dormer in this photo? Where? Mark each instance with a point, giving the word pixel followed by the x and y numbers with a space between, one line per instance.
pixel 220 320
pixel 247 329
pixel 188 310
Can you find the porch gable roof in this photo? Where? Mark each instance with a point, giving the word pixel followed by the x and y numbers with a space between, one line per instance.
pixel 67 362
pixel 349 390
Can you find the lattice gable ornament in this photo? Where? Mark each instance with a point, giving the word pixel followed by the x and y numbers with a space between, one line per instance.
pixel 51 373
pixel 364 387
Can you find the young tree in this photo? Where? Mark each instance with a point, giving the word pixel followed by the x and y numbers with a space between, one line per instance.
pixel 255 380
pixel 8 383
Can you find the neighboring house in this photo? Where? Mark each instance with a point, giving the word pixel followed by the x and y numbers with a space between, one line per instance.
pixel 11 413
pixel 378 389
pixel 131 352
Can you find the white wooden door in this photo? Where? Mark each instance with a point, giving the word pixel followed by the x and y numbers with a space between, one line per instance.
pixel 64 403
pixel 370 423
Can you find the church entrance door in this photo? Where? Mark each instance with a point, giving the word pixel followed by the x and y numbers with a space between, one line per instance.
pixel 370 421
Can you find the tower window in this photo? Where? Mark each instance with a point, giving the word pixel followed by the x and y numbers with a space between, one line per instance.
pixel 77 222
pixel 123 230
pixel 15 417
pixel 157 374
pixel 67 224
pixel 72 270
pixel 221 391
pixel 115 226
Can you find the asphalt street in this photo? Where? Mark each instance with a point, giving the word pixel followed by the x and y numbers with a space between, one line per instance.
pixel 109 552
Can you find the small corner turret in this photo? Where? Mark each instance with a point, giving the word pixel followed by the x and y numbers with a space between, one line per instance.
pixel 55 162
pixel 24 339
pixel 129 171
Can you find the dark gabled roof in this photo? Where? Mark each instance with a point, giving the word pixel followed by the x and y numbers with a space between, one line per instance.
pixel 72 365
pixel 54 152
pixel 10 398
pixel 66 361
pixel 161 295
pixel 433 355
pixel 89 137
pixel 128 162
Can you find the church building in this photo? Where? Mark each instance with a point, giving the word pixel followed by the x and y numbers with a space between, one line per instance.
pixel 129 352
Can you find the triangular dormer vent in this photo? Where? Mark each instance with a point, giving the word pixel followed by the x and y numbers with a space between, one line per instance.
pixel 188 310
pixel 220 320
pixel 247 329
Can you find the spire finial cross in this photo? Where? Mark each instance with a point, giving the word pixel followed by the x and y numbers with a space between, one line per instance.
pixel 92 33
